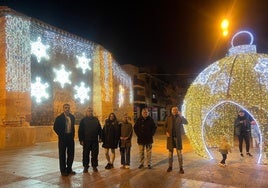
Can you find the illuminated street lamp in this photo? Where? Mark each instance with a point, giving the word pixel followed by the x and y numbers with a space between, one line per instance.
pixel 224 27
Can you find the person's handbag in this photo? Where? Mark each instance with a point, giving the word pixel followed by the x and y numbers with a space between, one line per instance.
pixel 237 130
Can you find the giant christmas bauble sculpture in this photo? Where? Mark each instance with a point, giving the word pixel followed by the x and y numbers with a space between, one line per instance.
pixel 211 104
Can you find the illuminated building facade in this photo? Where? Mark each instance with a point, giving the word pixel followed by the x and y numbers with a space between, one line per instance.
pixel 43 67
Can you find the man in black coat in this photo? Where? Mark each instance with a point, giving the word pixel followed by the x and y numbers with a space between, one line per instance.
pixel 90 134
pixel 64 128
pixel 145 129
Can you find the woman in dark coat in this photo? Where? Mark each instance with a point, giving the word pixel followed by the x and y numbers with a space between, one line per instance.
pixel 243 131
pixel 111 137
pixel 173 127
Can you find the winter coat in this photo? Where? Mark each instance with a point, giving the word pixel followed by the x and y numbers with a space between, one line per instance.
pixel 110 134
pixel 89 129
pixel 60 125
pixel 145 129
pixel 176 121
pixel 225 147
pixel 126 131
pixel 242 127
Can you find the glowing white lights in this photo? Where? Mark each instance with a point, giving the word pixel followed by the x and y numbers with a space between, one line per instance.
pixel 248 48
pixel 38 90
pixel 82 92
pixel 107 74
pixel 18 57
pixel 204 75
pixel 39 49
pixel 62 76
pixel 83 63
pixel 219 85
pixel 28 38
pixel 243 32
pixel 262 68
pixel 121 95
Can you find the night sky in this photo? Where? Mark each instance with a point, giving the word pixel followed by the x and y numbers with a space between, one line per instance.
pixel 175 36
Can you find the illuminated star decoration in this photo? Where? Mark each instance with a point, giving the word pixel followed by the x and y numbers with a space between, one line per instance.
pixel 121 95
pixel 83 63
pixel 82 92
pixel 38 90
pixel 39 49
pixel 62 76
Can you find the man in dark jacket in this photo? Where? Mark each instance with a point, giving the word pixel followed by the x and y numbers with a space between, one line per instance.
pixel 89 134
pixel 64 128
pixel 173 128
pixel 145 129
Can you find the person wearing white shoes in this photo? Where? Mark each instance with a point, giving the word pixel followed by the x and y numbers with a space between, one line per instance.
pixel 125 141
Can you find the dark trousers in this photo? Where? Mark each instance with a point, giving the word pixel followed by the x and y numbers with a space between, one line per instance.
pixel 125 155
pixel 246 137
pixel 224 157
pixel 93 147
pixel 66 146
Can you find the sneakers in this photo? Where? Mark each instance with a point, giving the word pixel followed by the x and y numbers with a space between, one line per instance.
pixel 141 166
pixel 241 154
pixel 124 167
pixel 181 171
pixel 222 165
pixel 249 154
pixel 149 167
pixel 85 170
pixel 169 169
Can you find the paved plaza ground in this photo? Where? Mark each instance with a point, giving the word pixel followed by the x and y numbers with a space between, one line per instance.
pixel 37 166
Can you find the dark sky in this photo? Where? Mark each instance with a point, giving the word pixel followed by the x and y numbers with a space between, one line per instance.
pixel 179 36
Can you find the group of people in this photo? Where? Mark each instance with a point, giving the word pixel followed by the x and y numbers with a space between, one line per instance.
pixel 117 133
pixel 246 129
pixel 112 135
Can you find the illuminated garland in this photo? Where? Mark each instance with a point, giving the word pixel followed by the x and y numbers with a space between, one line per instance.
pixel 18 69
pixel 61 53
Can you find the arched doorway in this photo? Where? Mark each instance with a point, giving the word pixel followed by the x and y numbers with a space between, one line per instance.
pixel 220 121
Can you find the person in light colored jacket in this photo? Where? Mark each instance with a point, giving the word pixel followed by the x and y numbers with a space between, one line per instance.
pixel 173 129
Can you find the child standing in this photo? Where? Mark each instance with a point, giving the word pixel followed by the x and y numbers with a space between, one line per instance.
pixel 255 134
pixel 125 142
pixel 224 148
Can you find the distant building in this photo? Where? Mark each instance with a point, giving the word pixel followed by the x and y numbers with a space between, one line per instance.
pixel 158 92
pixel 148 91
